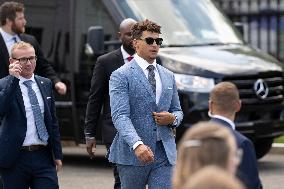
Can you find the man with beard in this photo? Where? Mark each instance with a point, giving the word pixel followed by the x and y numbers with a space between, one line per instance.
pixel 12 30
pixel 98 96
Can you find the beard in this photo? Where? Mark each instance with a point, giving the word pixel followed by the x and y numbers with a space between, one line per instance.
pixel 16 29
pixel 129 49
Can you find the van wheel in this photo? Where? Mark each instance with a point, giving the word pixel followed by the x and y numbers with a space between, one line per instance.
pixel 262 147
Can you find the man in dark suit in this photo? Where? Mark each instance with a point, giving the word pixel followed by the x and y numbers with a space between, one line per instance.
pixel 12 29
pixel 224 103
pixel 29 135
pixel 99 91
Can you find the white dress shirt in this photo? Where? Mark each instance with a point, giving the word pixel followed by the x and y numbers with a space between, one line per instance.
pixel 144 64
pixel 125 55
pixel 231 123
pixel 8 39
pixel 31 134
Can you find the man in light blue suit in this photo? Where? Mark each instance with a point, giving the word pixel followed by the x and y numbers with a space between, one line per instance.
pixel 145 108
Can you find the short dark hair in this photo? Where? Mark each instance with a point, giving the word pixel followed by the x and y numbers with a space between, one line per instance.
pixel 9 9
pixel 146 25
pixel 224 95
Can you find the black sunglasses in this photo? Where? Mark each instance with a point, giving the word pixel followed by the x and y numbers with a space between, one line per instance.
pixel 150 40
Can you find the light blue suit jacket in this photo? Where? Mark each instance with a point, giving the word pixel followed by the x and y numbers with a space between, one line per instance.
pixel 132 103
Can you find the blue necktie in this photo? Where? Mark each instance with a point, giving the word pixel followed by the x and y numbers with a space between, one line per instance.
pixel 40 126
pixel 15 39
pixel 151 78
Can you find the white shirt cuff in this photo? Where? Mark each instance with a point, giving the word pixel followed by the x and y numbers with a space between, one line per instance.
pixel 137 144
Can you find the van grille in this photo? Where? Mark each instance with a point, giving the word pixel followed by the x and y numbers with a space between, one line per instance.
pixel 245 84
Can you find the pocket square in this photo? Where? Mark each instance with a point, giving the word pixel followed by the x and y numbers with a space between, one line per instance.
pixel 48 97
pixel 170 88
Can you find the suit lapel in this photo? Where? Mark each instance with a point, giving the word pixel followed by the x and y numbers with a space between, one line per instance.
pixel 120 61
pixel 22 37
pixel 4 52
pixel 19 97
pixel 163 82
pixel 41 85
pixel 139 74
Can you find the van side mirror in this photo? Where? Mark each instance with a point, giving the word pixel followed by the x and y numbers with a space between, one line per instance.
pixel 240 27
pixel 95 41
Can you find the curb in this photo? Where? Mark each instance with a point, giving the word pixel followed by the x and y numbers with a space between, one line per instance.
pixel 277 148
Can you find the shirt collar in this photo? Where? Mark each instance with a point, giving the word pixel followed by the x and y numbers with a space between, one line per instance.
pixel 143 63
pixel 8 37
pixel 22 79
pixel 231 123
pixel 125 54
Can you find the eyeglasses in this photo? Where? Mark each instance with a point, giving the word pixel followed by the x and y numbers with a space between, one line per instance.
pixel 25 60
pixel 150 40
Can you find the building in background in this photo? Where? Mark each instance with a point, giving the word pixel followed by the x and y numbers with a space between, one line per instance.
pixel 263 22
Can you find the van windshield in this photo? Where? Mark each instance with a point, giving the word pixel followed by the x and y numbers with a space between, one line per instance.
pixel 184 22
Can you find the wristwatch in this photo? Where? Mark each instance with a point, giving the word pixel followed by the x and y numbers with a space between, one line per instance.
pixel 174 123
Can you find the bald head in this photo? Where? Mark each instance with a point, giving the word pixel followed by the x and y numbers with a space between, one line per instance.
pixel 126 23
pixel 224 99
pixel 124 35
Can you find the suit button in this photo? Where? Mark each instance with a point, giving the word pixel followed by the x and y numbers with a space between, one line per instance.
pixel 155 129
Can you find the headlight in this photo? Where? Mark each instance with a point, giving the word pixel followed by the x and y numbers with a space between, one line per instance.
pixel 194 83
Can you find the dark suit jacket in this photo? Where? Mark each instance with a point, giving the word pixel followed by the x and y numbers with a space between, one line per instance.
pixel 99 96
pixel 247 170
pixel 43 67
pixel 14 123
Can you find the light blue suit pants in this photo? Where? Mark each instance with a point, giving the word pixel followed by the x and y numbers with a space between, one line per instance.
pixel 157 175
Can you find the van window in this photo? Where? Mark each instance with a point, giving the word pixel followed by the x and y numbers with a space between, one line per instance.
pixel 184 22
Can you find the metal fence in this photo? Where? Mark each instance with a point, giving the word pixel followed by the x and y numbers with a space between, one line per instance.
pixel 263 22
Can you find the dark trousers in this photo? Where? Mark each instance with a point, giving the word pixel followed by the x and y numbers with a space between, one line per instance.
pixel 35 170
pixel 117 184
pixel 1 185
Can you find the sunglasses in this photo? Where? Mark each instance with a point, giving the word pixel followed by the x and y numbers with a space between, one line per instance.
pixel 150 40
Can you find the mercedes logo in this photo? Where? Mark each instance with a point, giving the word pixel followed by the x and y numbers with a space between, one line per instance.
pixel 261 88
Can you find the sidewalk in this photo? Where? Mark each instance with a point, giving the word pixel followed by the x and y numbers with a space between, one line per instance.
pixel 277 148
pixel 80 150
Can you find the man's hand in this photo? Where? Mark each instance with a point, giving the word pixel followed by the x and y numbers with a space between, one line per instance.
pixel 144 153
pixel 15 69
pixel 61 88
pixel 58 164
pixel 164 118
pixel 91 146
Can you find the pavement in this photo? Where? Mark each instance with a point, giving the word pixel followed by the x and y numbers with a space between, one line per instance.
pixel 277 148
pixel 79 150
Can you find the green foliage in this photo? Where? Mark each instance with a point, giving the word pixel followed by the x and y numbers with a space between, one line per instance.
pixel 279 139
